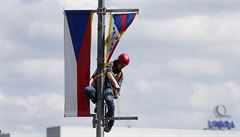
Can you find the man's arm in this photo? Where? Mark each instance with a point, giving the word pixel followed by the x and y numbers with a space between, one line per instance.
pixel 115 83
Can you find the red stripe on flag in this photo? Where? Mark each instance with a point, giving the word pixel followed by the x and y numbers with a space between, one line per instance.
pixel 123 22
pixel 83 72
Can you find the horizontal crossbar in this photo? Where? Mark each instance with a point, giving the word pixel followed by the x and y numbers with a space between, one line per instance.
pixel 120 10
pixel 121 118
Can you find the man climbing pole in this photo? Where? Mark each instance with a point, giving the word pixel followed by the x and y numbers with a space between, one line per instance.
pixel 112 86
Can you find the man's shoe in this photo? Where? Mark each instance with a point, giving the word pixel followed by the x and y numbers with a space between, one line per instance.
pixel 109 126
pixel 95 110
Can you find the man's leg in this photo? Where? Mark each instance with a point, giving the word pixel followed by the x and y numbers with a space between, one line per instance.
pixel 108 97
pixel 90 92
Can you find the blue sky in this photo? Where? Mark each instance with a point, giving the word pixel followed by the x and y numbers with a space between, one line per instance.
pixel 184 61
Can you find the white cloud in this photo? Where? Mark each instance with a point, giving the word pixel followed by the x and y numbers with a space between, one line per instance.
pixel 214 31
pixel 9 48
pixel 195 28
pixel 39 69
pixel 42 22
pixel 78 4
pixel 45 29
pixel 194 66
pixel 208 96
pixel 29 112
pixel 33 104
pixel 151 77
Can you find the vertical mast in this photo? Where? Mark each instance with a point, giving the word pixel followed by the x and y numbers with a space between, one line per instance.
pixel 100 66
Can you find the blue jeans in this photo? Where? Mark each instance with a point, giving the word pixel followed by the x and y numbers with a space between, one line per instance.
pixel 91 93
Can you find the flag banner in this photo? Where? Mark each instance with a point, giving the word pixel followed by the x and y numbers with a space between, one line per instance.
pixel 117 26
pixel 77 45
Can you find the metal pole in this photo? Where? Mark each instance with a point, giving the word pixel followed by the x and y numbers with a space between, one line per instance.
pixel 100 67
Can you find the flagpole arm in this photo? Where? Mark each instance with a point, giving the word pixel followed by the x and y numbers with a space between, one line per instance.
pixel 123 10
pixel 117 10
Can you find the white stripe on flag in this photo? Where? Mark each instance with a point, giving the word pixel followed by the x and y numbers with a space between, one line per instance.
pixel 70 74
pixel 113 39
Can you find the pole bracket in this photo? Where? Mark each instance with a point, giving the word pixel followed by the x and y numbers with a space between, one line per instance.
pixel 101 10
pixel 94 121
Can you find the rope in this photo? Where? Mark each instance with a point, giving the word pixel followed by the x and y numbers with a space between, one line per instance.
pixel 118 107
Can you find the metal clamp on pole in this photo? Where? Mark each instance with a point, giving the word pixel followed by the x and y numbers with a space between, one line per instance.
pixel 100 60
pixel 101 10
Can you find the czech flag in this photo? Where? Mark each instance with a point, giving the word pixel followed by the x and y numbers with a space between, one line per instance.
pixel 77 45
pixel 117 26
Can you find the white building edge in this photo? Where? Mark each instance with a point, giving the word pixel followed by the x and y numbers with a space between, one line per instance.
pixel 4 135
pixel 68 131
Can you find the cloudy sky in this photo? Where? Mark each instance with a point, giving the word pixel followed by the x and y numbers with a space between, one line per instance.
pixel 185 60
